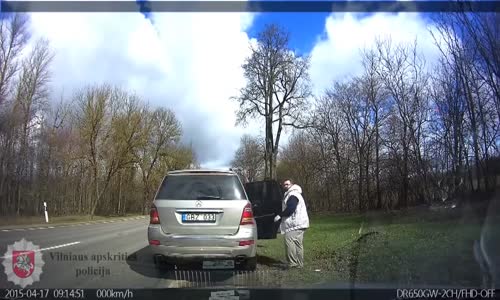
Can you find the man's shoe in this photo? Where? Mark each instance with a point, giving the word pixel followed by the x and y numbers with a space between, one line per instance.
pixel 296 267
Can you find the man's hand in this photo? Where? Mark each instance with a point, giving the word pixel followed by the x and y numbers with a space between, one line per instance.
pixel 277 218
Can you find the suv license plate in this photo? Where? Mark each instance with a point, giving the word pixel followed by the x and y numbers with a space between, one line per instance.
pixel 198 218
pixel 218 264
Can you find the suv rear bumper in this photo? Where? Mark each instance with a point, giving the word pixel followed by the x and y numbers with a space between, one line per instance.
pixel 199 247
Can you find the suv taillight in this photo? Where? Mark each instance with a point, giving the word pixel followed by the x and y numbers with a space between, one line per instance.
pixel 154 217
pixel 247 216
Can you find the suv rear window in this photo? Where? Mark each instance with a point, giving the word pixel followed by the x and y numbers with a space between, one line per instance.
pixel 201 187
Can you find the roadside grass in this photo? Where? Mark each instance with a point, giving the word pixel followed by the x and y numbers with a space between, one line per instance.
pixel 405 249
pixel 40 220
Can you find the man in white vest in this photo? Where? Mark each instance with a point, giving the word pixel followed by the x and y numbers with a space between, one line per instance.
pixel 294 223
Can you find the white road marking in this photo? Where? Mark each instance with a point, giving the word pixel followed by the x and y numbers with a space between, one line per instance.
pixel 5 230
pixel 48 248
pixel 51 227
pixel 60 246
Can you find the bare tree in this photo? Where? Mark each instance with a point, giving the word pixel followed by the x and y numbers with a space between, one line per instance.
pixel 57 158
pixel 482 31
pixel 29 100
pixel 93 111
pixel 249 157
pixel 300 161
pixel 419 137
pixel 405 80
pixel 277 88
pixel 13 38
pixel 329 123
pixel 376 94
pixel 76 155
pixel 469 48
pixel 355 112
pixel 161 131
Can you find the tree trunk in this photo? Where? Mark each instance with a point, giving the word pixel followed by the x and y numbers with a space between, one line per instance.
pixel 360 187
pixel 404 198
pixel 274 165
pixel 9 199
pixel 472 115
pixel 145 200
pixel 119 194
pixel 3 179
pixel 92 210
pixel 485 141
pixel 95 199
pixel 18 199
pixel 377 166
pixel 328 191
pixel 270 148
pixel 80 197
pixel 367 180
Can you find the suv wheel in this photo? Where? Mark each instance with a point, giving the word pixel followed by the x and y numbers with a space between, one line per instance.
pixel 250 264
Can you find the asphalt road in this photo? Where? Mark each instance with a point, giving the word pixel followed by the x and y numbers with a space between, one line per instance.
pixel 70 254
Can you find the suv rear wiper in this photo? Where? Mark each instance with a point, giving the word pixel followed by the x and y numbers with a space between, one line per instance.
pixel 208 198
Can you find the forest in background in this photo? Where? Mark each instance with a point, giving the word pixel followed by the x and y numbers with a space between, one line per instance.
pixel 398 135
pixel 101 150
pixel 403 133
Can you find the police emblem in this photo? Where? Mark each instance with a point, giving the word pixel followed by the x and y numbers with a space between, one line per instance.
pixel 23 263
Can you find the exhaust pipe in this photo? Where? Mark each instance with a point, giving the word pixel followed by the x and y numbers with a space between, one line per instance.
pixel 240 259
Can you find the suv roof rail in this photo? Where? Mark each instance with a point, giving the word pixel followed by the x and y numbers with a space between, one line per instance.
pixel 201 171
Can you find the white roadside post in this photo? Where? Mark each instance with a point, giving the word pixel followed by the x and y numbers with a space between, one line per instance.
pixel 46 213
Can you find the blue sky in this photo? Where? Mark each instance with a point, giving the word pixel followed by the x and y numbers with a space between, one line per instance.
pixel 304 28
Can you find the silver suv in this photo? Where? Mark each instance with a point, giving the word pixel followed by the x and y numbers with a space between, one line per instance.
pixel 204 216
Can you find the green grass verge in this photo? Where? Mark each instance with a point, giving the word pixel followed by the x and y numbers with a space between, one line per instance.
pixel 413 248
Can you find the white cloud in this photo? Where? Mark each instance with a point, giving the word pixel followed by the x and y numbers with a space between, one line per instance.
pixel 189 62
pixel 337 55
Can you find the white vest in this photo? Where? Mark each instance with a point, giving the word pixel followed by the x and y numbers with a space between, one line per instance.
pixel 299 219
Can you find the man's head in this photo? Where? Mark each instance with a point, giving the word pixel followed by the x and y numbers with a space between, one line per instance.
pixel 287 184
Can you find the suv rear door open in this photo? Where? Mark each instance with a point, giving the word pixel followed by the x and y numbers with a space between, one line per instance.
pixel 266 198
